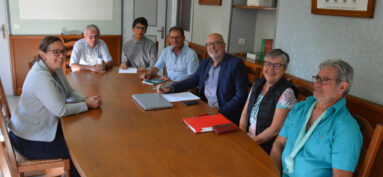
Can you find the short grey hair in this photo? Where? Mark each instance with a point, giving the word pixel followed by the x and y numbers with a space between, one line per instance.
pixel 345 71
pixel 279 53
pixel 92 27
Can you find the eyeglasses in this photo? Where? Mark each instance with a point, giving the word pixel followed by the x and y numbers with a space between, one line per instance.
pixel 322 81
pixel 268 64
pixel 140 27
pixel 95 36
pixel 57 52
pixel 175 37
pixel 215 43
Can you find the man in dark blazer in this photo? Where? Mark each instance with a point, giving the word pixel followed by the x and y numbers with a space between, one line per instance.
pixel 221 80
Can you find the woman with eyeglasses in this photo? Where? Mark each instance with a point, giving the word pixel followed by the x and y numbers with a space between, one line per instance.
pixel 35 127
pixel 269 101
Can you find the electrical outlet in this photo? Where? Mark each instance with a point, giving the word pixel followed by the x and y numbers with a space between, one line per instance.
pixel 16 26
pixel 241 41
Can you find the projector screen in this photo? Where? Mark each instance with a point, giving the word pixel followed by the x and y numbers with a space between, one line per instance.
pixel 66 9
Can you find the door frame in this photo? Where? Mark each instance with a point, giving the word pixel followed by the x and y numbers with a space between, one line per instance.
pixel 6 63
pixel 188 34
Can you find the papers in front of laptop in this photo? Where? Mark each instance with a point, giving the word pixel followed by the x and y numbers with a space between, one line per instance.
pixel 129 70
pixel 154 81
pixel 182 96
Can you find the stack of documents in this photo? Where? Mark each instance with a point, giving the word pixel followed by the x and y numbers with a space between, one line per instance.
pixel 127 71
pixel 153 81
pixel 182 96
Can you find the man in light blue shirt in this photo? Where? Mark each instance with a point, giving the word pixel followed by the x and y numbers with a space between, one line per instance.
pixel 180 61
pixel 320 137
pixel 91 53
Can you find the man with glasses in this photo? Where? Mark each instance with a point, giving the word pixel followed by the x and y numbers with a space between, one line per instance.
pixel 221 80
pixel 91 53
pixel 180 61
pixel 319 136
pixel 139 52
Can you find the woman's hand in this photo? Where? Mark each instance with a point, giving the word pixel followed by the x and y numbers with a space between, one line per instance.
pixel 93 102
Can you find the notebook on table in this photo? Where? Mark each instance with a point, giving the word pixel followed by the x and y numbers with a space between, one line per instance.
pixel 150 101
pixel 207 123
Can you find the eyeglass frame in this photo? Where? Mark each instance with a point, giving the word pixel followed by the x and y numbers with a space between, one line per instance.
pixel 97 36
pixel 175 38
pixel 215 43
pixel 323 81
pixel 277 66
pixel 141 28
pixel 57 52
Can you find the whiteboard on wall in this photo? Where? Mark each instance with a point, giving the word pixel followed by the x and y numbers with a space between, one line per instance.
pixel 66 10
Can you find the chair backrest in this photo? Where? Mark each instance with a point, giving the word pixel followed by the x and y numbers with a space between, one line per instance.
pixel 367 133
pixel 33 61
pixel 199 49
pixel 253 72
pixel 372 139
pixel 70 37
pixel 303 92
pixel 7 149
pixel 371 164
pixel 69 41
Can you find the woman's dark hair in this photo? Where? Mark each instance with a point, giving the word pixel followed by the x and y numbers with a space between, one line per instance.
pixel 44 45
pixel 47 41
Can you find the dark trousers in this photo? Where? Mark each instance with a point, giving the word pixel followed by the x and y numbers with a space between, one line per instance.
pixel 44 150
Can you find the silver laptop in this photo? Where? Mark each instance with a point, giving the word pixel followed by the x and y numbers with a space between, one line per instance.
pixel 150 101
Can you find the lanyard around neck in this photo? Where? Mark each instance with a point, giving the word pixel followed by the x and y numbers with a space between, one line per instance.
pixel 302 138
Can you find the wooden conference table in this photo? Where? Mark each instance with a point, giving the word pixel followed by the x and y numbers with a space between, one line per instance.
pixel 121 139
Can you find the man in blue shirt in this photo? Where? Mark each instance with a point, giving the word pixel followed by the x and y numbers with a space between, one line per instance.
pixel 180 61
pixel 91 53
pixel 319 136
pixel 221 80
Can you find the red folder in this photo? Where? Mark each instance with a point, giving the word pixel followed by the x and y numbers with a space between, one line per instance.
pixel 205 123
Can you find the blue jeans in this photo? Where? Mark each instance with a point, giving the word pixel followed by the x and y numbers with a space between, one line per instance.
pixel 44 150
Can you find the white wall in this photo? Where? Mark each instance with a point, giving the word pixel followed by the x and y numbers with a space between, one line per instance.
pixel 211 19
pixel 264 27
pixel 242 25
pixel 311 39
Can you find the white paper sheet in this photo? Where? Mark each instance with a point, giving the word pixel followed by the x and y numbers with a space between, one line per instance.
pixel 183 96
pixel 127 71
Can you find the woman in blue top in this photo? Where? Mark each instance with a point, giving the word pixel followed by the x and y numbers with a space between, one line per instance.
pixel 35 127
pixel 269 101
